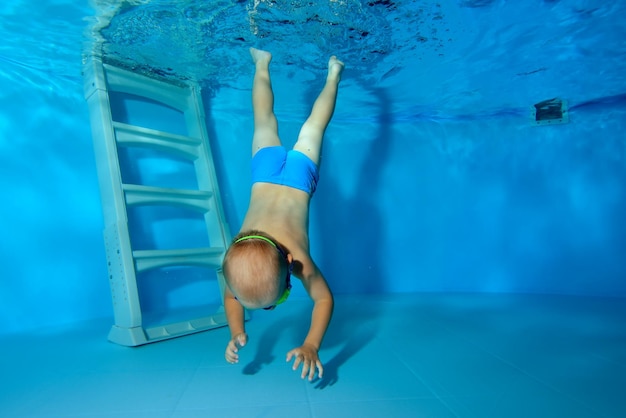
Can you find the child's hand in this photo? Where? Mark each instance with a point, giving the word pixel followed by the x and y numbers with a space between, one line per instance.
pixel 233 347
pixel 307 355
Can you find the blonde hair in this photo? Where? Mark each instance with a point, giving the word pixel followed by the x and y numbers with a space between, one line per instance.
pixel 253 269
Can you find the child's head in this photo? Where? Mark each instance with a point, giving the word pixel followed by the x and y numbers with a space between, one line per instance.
pixel 257 270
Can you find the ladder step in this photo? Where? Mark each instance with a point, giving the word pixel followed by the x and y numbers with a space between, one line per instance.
pixel 186 327
pixel 205 257
pixel 130 135
pixel 136 195
pixel 176 96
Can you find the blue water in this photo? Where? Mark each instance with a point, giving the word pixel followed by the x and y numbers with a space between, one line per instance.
pixel 477 259
pixel 401 356
pixel 434 177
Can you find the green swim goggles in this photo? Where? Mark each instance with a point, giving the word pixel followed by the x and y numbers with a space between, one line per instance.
pixel 287 291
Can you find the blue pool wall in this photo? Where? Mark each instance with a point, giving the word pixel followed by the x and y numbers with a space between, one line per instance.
pixel 407 202
pixel 477 203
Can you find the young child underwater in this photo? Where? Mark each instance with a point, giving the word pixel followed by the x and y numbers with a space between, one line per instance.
pixel 273 243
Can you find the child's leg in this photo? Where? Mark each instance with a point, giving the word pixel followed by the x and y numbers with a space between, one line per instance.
pixel 312 132
pixel 265 124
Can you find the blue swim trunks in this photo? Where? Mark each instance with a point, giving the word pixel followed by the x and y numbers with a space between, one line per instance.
pixel 292 169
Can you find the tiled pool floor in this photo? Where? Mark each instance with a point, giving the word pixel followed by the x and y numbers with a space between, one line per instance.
pixel 424 355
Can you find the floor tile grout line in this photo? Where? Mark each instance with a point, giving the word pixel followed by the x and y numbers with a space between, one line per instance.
pixel 428 386
pixel 546 384
pixel 184 390
pixel 308 400
pixel 372 400
pixel 524 372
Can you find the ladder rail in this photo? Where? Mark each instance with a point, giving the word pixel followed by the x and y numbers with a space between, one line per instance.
pixel 122 277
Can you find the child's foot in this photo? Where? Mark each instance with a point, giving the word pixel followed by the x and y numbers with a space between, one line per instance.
pixel 335 68
pixel 258 55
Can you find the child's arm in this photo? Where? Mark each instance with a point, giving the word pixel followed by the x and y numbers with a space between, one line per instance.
pixel 318 289
pixel 316 286
pixel 235 318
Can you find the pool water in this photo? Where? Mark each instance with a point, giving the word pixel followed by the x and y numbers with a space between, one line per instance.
pixel 477 258
pixel 403 356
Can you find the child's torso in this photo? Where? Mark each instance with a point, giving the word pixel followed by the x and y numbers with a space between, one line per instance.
pixel 283 213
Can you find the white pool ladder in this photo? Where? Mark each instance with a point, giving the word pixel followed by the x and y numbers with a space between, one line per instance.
pixel 124 263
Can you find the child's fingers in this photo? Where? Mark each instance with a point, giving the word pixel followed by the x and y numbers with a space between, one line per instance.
pixel 312 371
pixel 231 356
pixel 320 369
pixel 231 353
pixel 317 365
pixel 297 362
pixel 310 364
pixel 291 354
pixel 305 368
